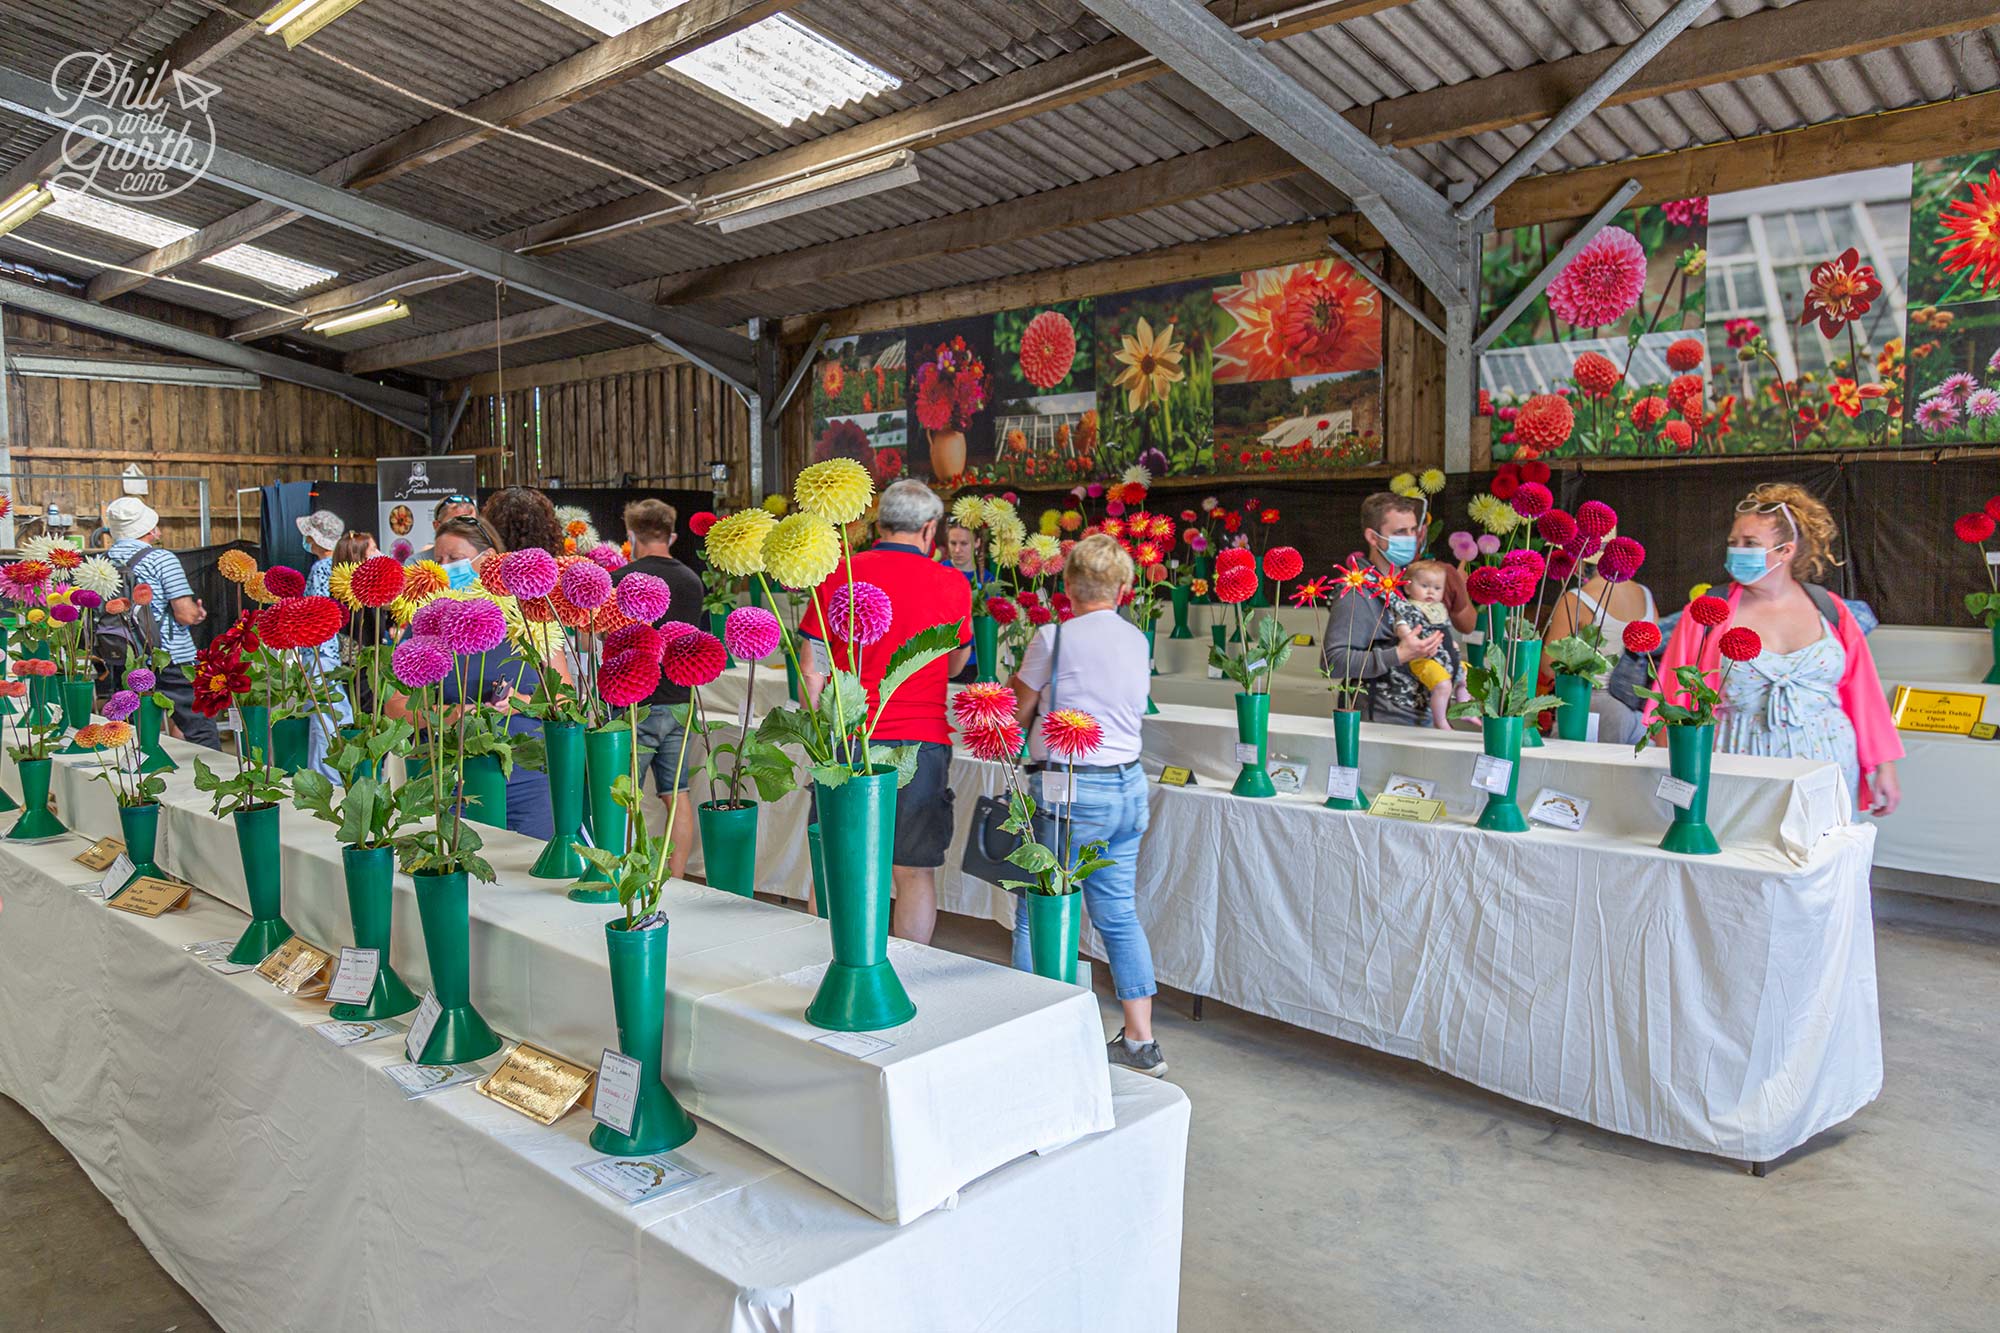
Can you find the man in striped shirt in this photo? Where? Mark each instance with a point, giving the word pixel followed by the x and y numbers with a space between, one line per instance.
pixel 135 533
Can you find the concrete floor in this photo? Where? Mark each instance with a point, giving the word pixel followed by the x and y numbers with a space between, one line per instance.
pixel 1333 1188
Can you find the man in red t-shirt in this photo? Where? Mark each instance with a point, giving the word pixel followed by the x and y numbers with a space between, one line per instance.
pixel 922 593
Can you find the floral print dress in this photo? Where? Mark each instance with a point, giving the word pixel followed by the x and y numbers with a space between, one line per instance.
pixel 1787 706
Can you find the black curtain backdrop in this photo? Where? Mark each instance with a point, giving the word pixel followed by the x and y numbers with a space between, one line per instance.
pixel 1895 522
pixel 218 594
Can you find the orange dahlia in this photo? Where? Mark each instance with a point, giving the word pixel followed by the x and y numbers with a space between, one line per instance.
pixel 1048 349
pixel 1317 318
pixel 1596 374
pixel 1973 227
pixel 832 378
pixel 1544 423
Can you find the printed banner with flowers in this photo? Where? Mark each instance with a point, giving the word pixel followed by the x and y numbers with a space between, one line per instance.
pixel 1955 300
pixel 1277 370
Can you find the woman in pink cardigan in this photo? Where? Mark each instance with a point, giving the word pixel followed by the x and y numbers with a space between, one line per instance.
pixel 1813 692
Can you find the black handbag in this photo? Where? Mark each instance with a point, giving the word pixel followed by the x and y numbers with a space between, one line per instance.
pixel 987 844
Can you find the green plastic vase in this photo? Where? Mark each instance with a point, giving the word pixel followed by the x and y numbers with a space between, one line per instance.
pixel 37 820
pixel 818 870
pixel 1253 727
pixel 1503 741
pixel 485 791
pixel 153 758
pixel 139 825
pixel 1528 671
pixel 607 753
pixel 1573 718
pixel 1993 676
pixel 291 743
pixel 1182 598
pixel 255 738
pixel 563 742
pixel 1154 670
pixel 639 1001
pixel 861 991
pixel 791 678
pixel 1347 754
pixel 1689 752
pixel 1054 921
pixel 986 647
pixel 1204 569
pixel 43 700
pixel 370 873
pixel 717 620
pixel 729 846
pixel 263 877
pixel 7 803
pixel 1216 633
pixel 461 1034
pixel 78 697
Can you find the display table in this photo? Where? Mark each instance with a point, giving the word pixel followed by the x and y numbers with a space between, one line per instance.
pixel 995 1064
pixel 1929 833
pixel 288 1185
pixel 1725 1004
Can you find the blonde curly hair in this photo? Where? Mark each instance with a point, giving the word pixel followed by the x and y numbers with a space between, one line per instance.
pixel 1809 519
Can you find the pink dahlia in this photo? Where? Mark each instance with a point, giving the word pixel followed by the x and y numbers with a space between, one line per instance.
pixel 421 661
pixel 629 678
pixel 633 638
pixel 584 585
pixel 430 618
pixel 121 706
pixel 1556 527
pixel 141 679
pixel 1486 585
pixel 1528 561
pixel 1596 518
pixel 1621 559
pixel 606 556
pixel 527 574
pixel 643 596
pixel 1048 349
pixel 751 633
pixel 693 659
pixel 1687 212
pixel 1603 283
pixel 860 613
pixel 1532 500
pixel 474 627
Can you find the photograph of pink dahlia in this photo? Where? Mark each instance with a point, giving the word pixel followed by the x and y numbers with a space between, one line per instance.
pixel 1937 414
pixel 1603 283
pixel 1048 349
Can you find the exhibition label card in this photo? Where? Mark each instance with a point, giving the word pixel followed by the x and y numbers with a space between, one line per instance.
pixel 1400 784
pixel 1558 809
pixel 352 1034
pixel 115 875
pixel 152 897
pixel 1288 775
pixel 295 965
pixel 100 854
pixel 1414 808
pixel 1945 711
pixel 1676 792
pixel 634 1180
pixel 423 1080
pixel 1215 673
pixel 1245 752
pixel 1302 641
pixel 1984 731
pixel 617 1097
pixel 1491 774
pixel 1342 784
pixel 354 980
pixel 1590 728
pixel 538 1084
pixel 216 954
pixel 1176 777
pixel 1055 787
pixel 421 1024
pixel 857 1044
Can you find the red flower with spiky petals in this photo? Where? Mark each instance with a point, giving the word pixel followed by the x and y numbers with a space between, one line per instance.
pixel 984 704
pixel 1071 733
pixel 997 742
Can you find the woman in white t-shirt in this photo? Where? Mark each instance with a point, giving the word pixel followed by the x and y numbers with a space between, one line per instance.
pixel 1097 662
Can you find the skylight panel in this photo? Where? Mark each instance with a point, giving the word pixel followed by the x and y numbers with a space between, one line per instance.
pixel 250 261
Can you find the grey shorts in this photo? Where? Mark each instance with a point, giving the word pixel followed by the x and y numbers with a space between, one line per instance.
pixel 660 749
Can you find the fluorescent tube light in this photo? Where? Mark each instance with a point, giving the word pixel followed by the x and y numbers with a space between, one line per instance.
pixel 296 20
pixel 822 189
pixel 365 318
pixel 23 204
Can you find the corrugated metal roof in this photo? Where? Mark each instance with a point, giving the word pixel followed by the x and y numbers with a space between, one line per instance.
pixel 302 110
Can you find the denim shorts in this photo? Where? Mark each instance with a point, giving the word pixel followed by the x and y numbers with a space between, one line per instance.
pixel 924 808
pixel 660 749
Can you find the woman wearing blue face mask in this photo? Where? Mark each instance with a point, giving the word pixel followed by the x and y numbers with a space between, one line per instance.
pixel 1813 692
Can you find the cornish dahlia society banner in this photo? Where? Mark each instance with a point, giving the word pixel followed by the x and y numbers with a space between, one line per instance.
pixel 407 491
pixel 1848 312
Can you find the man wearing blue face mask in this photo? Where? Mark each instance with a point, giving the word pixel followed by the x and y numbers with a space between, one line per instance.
pixel 1361 640
pixel 319 532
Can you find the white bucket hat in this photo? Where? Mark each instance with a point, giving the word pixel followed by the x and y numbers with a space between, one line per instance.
pixel 129 516
pixel 323 527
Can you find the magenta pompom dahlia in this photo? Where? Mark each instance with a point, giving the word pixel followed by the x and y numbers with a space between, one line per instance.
pixel 693 659
pixel 421 661
pixel 751 633
pixel 643 596
pixel 528 574
pixel 859 612
pixel 474 627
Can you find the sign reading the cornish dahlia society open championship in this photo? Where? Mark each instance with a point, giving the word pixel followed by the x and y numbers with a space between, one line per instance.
pixel 408 489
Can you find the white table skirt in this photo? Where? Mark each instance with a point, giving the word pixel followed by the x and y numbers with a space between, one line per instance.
pixel 288 1185
pixel 1929 833
pixel 995 1064
pixel 1724 1004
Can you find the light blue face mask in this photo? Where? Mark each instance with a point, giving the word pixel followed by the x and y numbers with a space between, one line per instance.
pixel 1399 551
pixel 461 575
pixel 1746 564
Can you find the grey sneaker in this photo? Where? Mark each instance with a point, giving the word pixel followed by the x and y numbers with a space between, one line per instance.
pixel 1147 1059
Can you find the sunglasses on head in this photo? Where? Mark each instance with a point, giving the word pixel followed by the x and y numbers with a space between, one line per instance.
pixel 1770 507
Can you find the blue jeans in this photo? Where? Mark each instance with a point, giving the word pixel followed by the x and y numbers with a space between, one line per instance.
pixel 1111 808
pixel 320 734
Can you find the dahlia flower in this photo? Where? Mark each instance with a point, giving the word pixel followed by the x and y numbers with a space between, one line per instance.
pixel 735 545
pixel 800 551
pixel 752 633
pixel 1603 283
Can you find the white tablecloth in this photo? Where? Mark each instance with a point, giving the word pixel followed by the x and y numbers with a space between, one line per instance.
pixel 1724 1004
pixel 1929 833
pixel 996 1063
pixel 289 1186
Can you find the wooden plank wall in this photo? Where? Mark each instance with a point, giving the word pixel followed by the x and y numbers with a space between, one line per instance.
pixel 607 422
pixel 233 437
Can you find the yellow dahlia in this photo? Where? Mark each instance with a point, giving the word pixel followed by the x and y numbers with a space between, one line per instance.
pixel 236 566
pixel 1043 545
pixel 1431 480
pixel 776 505
pixel 340 585
pixel 1051 521
pixel 735 543
pixel 969 511
pixel 254 589
pixel 114 733
pixel 1007 549
pixel 1403 483
pixel 837 490
pixel 424 578
pixel 1007 528
pixel 801 550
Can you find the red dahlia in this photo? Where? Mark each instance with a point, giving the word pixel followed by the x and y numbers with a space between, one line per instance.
pixel 1487 585
pixel 378 581
pixel 1642 636
pixel 283 581
pixel 1545 422
pixel 1646 413
pixel 1708 610
pixel 1685 392
pixel 628 678
pixel 1596 518
pixel 1533 500
pixel 1236 584
pixel 1236 557
pixel 1741 644
pixel 304 622
pixel 1679 434
pixel 1974 527
pixel 1685 354
pixel 1556 527
pixel 1596 374
pixel 1282 563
